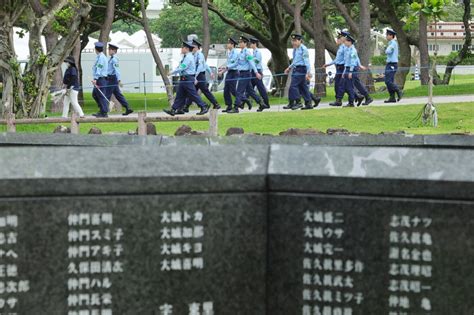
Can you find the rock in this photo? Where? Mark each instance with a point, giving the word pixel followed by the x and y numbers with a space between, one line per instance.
pixel 183 131
pixel 151 129
pixel 62 129
pixel 95 131
pixel 300 132
pixel 198 133
pixel 234 131
pixel 400 132
pixel 337 131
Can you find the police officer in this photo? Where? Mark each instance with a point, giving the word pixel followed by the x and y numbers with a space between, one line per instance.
pixel 352 62
pixel 99 73
pixel 245 64
pixel 201 80
pixel 339 62
pixel 301 72
pixel 391 67
pixel 232 76
pixel 262 90
pixel 186 87
pixel 114 80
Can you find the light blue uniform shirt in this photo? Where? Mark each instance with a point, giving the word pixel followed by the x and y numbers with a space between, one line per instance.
pixel 301 58
pixel 232 59
pixel 245 61
pixel 100 67
pixel 201 64
pixel 114 67
pixel 339 60
pixel 351 58
pixel 187 65
pixel 257 57
pixel 392 51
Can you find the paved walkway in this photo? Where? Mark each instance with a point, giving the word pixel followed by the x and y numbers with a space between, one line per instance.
pixel 405 101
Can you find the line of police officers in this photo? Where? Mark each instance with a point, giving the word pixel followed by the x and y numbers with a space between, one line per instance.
pixel 245 72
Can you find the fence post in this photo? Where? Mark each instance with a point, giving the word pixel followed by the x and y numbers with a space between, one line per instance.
pixel 141 123
pixel 11 127
pixel 74 124
pixel 213 130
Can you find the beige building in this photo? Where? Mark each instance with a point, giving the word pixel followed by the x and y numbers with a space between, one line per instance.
pixel 449 37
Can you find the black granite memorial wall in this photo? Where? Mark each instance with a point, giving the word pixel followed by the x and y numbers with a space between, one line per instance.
pixel 236 229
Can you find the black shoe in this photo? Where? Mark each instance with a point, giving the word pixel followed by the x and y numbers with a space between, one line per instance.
pixel 307 105
pixel 234 110
pixel 338 102
pixel 216 106
pixel 399 95
pixel 204 110
pixel 359 100
pixel 297 106
pixel 266 105
pixel 170 112
pixel 391 100
pixel 316 100
pixel 101 115
pixel 290 105
pixel 180 112
pixel 186 109
pixel 97 114
pixel 127 112
pixel 368 100
pixel 248 103
pixel 261 108
pixel 349 105
pixel 227 109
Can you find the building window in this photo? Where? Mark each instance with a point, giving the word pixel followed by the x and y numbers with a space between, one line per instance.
pixel 455 34
pixel 456 47
pixel 432 47
pixel 439 27
pixel 432 34
pixel 442 34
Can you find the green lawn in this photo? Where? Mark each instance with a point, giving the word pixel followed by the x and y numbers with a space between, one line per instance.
pixel 453 118
pixel 460 84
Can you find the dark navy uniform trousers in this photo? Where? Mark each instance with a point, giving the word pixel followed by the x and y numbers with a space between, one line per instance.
pixel 339 82
pixel 390 71
pixel 113 89
pixel 204 87
pixel 230 86
pixel 187 89
pixel 298 85
pixel 260 87
pixel 245 81
pixel 100 99
pixel 349 86
pixel 358 84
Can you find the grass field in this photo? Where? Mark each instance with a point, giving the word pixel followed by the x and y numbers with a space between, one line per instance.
pixel 453 118
pixel 460 85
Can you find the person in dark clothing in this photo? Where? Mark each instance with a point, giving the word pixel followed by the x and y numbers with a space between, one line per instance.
pixel 71 84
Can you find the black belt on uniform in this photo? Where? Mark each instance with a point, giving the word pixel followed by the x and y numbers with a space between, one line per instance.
pixel 392 63
pixel 300 67
pixel 232 70
pixel 244 71
pixel 186 77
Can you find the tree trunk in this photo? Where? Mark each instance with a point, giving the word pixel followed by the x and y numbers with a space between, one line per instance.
pixel 12 94
pixel 9 71
pixel 319 49
pixel 107 23
pixel 57 82
pixel 364 44
pixel 205 29
pixel 464 52
pixel 423 48
pixel 154 52
pixel 298 17
pixel 42 66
